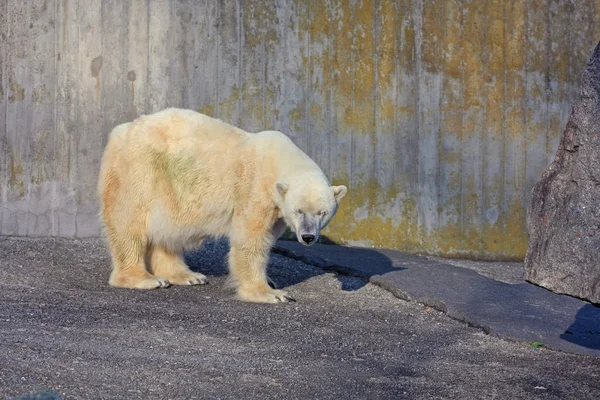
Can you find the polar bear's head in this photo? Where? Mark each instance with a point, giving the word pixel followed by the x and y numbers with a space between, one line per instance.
pixel 308 207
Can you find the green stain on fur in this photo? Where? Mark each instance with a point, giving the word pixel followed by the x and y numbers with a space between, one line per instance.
pixel 179 171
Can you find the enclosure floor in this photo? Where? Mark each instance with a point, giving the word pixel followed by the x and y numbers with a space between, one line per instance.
pixel 63 329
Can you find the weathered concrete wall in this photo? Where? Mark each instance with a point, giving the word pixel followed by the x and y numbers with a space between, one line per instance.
pixel 439 115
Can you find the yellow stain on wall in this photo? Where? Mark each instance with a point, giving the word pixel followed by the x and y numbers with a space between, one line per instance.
pixel 387 219
pixel 15 180
pixel 18 93
pixel 375 223
pixel 226 106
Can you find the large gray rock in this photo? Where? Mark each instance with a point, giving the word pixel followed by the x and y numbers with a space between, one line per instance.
pixel 563 218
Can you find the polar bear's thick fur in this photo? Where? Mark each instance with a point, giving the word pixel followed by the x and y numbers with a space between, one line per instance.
pixel 171 179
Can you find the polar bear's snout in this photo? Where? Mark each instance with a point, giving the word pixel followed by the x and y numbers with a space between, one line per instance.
pixel 308 239
pixel 308 230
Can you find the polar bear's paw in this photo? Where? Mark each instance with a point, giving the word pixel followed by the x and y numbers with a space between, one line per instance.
pixel 264 296
pixel 190 278
pixel 153 283
pixel 150 282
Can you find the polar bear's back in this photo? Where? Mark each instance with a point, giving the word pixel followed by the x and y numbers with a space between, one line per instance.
pixel 171 135
pixel 174 146
pixel 171 127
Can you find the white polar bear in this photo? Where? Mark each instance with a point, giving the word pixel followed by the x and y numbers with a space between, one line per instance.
pixel 171 179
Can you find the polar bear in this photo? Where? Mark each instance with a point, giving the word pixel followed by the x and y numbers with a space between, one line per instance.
pixel 169 180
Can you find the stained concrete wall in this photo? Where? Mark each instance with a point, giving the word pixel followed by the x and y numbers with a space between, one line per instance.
pixel 438 115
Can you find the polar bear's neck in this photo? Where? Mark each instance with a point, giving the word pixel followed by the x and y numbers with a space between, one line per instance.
pixel 290 161
pixel 294 164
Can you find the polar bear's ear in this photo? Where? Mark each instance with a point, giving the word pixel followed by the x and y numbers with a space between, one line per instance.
pixel 339 192
pixel 282 188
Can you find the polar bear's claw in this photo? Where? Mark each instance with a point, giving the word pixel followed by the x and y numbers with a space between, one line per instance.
pixel 270 296
pixel 152 283
pixel 198 281
pixel 286 299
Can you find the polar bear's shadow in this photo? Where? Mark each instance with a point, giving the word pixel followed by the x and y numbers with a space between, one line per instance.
pixel 211 259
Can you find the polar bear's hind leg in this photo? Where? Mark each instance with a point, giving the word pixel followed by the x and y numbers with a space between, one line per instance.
pixel 172 266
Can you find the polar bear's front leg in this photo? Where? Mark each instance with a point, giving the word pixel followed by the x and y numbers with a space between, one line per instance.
pixel 251 244
pixel 248 273
pixel 172 267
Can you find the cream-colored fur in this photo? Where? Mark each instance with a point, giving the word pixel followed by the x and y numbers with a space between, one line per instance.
pixel 171 179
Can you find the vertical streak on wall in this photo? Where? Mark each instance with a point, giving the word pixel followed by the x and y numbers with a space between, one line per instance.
pixel 341 88
pixel 318 83
pixel 276 66
pixel 174 46
pixel 407 119
pixel 572 89
pixel 115 15
pixel 90 141
pixel 204 71
pixel 536 89
pixel 42 145
pixel 3 104
pixel 18 117
pixel 137 59
pixel 341 112
pixel 329 94
pixel 386 128
pixel 307 131
pixel 471 202
pixel 493 135
pixel 580 47
pixel 160 56
pixel 450 230
pixel 253 55
pixel 240 56
pixel 430 83
pixel 228 61
pixel 67 111
pixel 273 42
pixel 515 128
pixel 305 135
pixel 290 98
pixel 185 26
pixel 595 17
pixel 31 125
pixel 558 70
pixel 362 117
pixel 196 31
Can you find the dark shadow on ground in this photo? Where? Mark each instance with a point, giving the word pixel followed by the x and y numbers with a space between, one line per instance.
pixel 357 262
pixel 584 330
pixel 211 259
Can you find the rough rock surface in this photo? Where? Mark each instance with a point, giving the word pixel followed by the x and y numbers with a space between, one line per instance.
pixel 563 219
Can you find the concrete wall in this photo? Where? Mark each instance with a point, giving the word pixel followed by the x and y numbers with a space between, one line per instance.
pixel 439 115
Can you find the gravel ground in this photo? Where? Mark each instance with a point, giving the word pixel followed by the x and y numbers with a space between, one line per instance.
pixel 63 329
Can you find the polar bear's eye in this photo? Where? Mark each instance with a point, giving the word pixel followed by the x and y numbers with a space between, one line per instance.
pixel 322 213
pixel 299 212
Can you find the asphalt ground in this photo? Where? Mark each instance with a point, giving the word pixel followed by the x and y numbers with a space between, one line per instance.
pixel 64 330
pixel 490 295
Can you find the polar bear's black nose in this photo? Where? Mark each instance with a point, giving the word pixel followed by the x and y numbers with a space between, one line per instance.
pixel 308 239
